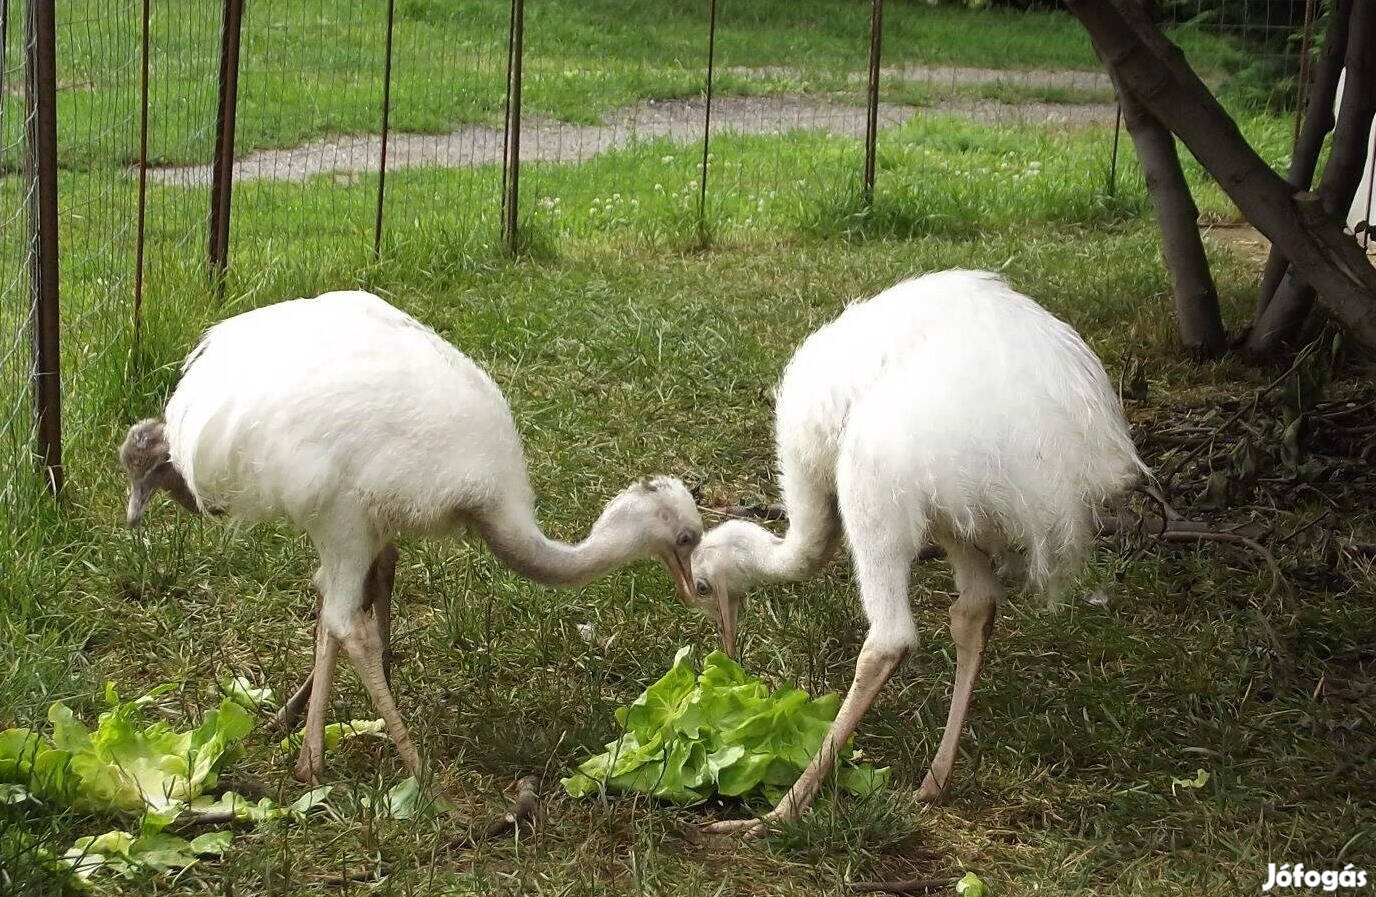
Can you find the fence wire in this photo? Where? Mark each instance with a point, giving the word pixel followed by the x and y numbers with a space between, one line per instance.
pixel 444 155
pixel 614 115
pixel 16 418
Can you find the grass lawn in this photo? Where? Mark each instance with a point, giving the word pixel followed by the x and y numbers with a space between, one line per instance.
pixel 582 60
pixel 626 346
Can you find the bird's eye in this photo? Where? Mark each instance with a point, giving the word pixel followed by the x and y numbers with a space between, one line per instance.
pixel 703 587
pixel 688 537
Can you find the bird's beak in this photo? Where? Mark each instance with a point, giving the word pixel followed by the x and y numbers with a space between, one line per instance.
pixel 139 493
pixel 680 564
pixel 726 623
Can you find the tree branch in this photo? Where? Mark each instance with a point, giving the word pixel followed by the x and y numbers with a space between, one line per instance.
pixel 1318 121
pixel 1154 70
pixel 1280 321
pixel 1196 299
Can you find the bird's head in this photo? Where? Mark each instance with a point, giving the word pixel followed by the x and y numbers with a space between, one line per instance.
pixel 726 565
pixel 148 463
pixel 658 516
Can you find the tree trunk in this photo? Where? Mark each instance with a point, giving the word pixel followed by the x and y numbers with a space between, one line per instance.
pixel 1156 73
pixel 1196 299
pixel 1318 121
pixel 1281 320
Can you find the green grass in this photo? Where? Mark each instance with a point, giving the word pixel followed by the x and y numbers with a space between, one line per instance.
pixel 625 349
pixel 628 344
pixel 582 60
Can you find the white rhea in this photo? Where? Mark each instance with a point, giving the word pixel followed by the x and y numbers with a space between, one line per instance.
pixel 1363 201
pixel 949 409
pixel 358 424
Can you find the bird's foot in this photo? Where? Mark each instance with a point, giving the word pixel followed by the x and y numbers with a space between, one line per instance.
pixel 930 792
pixel 741 828
pixel 310 766
pixel 283 723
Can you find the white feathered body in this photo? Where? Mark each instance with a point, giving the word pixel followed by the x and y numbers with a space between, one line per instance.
pixel 342 398
pixel 1359 213
pixel 953 407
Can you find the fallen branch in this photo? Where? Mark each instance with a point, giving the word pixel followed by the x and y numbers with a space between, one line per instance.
pixel 1277 578
pixel 910 886
pixel 190 820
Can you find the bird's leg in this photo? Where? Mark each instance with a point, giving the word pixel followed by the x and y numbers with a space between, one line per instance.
pixel 377 594
pixel 286 719
pixel 972 620
pixel 872 669
pixel 311 762
pixel 364 647
pixel 382 578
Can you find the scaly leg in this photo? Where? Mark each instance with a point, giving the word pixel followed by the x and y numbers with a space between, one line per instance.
pixel 872 669
pixel 382 579
pixel 311 762
pixel 882 566
pixel 364 647
pixel 972 620
pixel 377 594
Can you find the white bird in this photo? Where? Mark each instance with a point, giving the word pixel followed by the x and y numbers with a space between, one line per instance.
pixel 358 424
pixel 949 409
pixel 1359 213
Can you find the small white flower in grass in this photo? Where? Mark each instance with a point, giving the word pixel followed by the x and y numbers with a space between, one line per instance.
pixel 666 159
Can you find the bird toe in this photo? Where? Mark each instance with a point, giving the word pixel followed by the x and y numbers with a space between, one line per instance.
pixel 741 828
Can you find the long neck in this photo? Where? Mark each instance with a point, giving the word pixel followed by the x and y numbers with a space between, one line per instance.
pixel 514 535
pixel 814 532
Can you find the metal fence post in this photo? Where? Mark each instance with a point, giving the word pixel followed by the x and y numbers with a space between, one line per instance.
pixel 511 155
pixel 41 94
pixel 143 175
pixel 707 121
pixel 222 177
pixel 386 113
pixel 872 110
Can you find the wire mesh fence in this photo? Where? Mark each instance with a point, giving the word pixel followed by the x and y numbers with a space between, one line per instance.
pixel 16 189
pixel 607 114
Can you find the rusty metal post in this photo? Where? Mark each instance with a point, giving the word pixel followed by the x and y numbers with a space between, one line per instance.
pixel 222 176
pixel 707 122
pixel 872 99
pixel 41 94
pixel 511 157
pixel 386 113
pixel 143 176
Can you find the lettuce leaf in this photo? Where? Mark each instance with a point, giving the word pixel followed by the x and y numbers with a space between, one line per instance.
pixel 337 732
pixel 691 735
pixel 122 764
pixel 130 855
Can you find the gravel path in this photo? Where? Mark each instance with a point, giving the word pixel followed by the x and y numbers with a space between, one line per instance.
pixel 955 75
pixel 550 140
